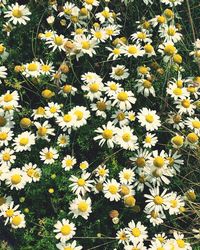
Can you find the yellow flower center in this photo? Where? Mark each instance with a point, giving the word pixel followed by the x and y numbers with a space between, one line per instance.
pixel 6 157
pixel 169 49
pixel 32 67
pixel 94 87
pixel 46 68
pixel 66 230
pixel 126 137
pixel 122 96
pixel 68 162
pixel 42 131
pixel 148 48
pixel 149 118
pixel 113 189
pixel 158 200
pixel 141 35
pixel 67 88
pixel 30 172
pixel 185 103
pixel 173 203
pixel 85 45
pixel 82 206
pixel 119 71
pixel 116 51
pixel 49 155
pixel 23 141
pixel 154 214
pixel 132 49
pixel 171 31
pixel 177 91
pixel 8 98
pixel 107 134
pixel 120 116
pixel 16 179
pixel 17 13
pixel 79 115
pixel 196 124
pixel 40 111
pixel 136 232
pixel 67 118
pixel 9 212
pixel 105 13
pixel 129 201
pixel 148 139
pixel 58 40
pixel 177 140
pixel 81 182
pixel 113 86
pixel 161 19
pixel 147 84
pixel 16 220
pixel 102 172
pixel 140 162
pixel 158 161
pixel 180 243
pixel 192 138
pixel 3 136
pixel 101 105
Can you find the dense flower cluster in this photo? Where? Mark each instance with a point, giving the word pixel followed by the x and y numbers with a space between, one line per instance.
pixel 124 108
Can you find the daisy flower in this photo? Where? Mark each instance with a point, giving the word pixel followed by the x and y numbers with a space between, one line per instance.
pixel 124 100
pixel 66 121
pixel 185 106
pixel 111 189
pixel 141 36
pixel 106 134
pixel 44 130
pixel 86 44
pixel 7 157
pixel 32 69
pixel 81 114
pixel 49 155
pixel 136 232
pixel 126 176
pixel 5 136
pixel 89 4
pixel 119 72
pixel 134 50
pixel 17 14
pixel 24 141
pixel 155 218
pixel 170 34
pixel 145 87
pixel 176 120
pixel 101 106
pixel 125 138
pixel 65 230
pixel 114 53
pixel 120 117
pixel 149 119
pixel 52 110
pixel 56 42
pixel 63 140
pixel 68 162
pixel 111 88
pixel 38 113
pixel 67 90
pixel 4 170
pixel 94 90
pixel 105 16
pixel 174 204
pixel 102 172
pixel 16 179
pixel 150 140
pixel 155 201
pixel 82 185
pixel 81 207
pixel 9 100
